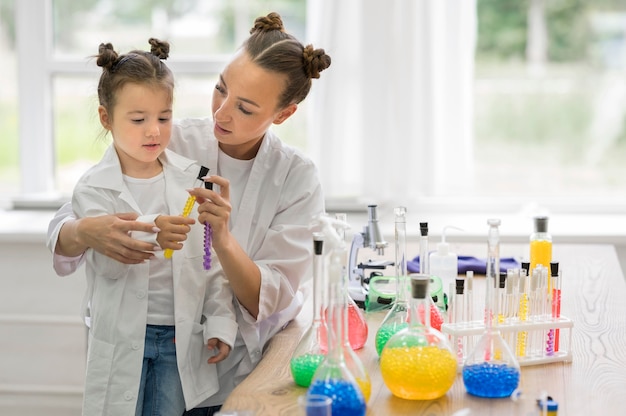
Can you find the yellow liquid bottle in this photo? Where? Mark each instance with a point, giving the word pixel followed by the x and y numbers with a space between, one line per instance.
pixel 540 246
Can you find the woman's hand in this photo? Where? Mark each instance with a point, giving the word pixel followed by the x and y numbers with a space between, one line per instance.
pixel 214 208
pixel 109 235
pixel 173 230
pixel 242 273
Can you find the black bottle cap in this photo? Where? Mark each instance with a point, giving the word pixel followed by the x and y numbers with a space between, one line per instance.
pixel 554 268
pixel 318 243
pixel 502 280
pixel 541 224
pixel 203 172
pixel 460 285
pixel 526 266
pixel 419 286
pixel 424 229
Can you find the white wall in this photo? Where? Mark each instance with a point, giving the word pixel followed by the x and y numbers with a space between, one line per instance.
pixel 43 347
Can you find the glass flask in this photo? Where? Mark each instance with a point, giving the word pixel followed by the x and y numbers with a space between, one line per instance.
pixel 398 316
pixel 311 349
pixel 333 377
pixel 417 363
pixel 357 325
pixel 353 362
pixel 491 370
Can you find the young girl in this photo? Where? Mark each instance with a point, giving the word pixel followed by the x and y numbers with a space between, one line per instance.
pixel 268 194
pixel 156 329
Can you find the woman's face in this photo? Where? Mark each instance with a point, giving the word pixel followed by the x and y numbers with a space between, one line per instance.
pixel 245 105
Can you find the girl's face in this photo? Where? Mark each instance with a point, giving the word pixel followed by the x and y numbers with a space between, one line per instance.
pixel 141 125
pixel 245 105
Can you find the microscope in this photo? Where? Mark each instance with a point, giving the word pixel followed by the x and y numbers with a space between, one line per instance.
pixel 358 284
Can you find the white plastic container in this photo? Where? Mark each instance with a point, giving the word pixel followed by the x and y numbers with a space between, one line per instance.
pixel 444 264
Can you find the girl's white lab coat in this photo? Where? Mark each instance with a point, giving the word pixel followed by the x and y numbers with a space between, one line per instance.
pixel 118 301
pixel 281 197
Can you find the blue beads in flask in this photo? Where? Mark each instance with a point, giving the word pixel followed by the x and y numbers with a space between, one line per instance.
pixel 490 380
pixel 347 397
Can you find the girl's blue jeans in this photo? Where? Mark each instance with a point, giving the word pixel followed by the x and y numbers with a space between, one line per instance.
pixel 160 391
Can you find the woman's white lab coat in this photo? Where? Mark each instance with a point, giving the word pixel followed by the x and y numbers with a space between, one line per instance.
pixel 281 197
pixel 118 303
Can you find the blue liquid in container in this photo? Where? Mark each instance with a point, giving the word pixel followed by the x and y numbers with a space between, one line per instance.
pixel 347 397
pixel 490 380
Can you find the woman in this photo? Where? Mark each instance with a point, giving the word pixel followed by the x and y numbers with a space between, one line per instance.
pixel 268 194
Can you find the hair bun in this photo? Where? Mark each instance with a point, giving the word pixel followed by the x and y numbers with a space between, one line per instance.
pixel 268 23
pixel 315 61
pixel 107 56
pixel 159 48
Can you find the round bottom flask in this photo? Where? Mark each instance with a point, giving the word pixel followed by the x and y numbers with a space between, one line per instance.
pixel 397 319
pixel 417 363
pixel 491 370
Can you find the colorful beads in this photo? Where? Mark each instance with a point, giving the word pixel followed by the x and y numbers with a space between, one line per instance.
pixel 208 237
pixel 490 380
pixel 303 368
pixel 347 400
pixel 418 372
pixel 385 332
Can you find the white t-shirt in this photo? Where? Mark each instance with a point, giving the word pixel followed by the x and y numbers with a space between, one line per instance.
pixel 237 172
pixel 161 283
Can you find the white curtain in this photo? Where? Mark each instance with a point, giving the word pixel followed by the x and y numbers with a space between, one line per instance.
pixel 391 119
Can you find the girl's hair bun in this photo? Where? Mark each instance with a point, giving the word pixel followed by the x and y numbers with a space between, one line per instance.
pixel 107 56
pixel 159 48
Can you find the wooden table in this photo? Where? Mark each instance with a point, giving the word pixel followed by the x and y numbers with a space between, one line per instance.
pixel 594 383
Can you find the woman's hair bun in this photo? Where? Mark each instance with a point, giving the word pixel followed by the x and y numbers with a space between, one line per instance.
pixel 315 61
pixel 268 23
pixel 159 48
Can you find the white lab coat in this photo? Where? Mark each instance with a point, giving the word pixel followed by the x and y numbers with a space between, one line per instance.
pixel 281 197
pixel 118 301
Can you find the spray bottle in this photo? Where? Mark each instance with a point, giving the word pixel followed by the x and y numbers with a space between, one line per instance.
pixel 444 264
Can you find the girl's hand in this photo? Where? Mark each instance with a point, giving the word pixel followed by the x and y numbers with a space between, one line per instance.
pixel 174 229
pixel 222 350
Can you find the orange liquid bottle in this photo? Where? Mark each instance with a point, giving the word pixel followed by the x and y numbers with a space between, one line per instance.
pixel 540 246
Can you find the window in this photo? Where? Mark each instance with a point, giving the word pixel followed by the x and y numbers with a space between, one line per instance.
pixel 60 135
pixel 472 104
pixel 9 139
pixel 481 105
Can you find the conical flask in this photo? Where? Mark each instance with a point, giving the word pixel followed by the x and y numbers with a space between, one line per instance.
pixel 397 317
pixel 357 324
pixel 491 370
pixel 333 377
pixel 417 363
pixel 353 362
pixel 311 349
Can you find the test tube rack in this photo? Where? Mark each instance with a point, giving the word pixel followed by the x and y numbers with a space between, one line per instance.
pixel 464 335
